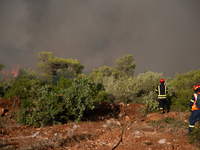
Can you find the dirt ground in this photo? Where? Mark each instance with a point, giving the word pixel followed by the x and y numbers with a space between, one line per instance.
pixel 108 127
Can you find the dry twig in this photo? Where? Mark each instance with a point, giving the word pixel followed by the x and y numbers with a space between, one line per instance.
pixel 121 136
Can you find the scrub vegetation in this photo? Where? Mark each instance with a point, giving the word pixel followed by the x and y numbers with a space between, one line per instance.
pixel 62 93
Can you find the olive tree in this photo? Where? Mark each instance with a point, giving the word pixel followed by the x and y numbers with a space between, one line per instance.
pixel 124 66
pixel 51 64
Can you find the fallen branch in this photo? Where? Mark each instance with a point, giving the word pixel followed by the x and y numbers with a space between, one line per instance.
pixel 121 136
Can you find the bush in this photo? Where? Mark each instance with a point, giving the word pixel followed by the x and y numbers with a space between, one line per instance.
pixel 151 103
pixel 146 82
pixel 174 123
pixel 79 97
pixel 22 87
pixel 28 73
pixel 43 110
pixel 98 75
pixel 168 120
pixel 128 89
pixel 67 74
pixel 194 136
pixel 182 89
pixel 48 107
pixel 102 96
pixel 5 84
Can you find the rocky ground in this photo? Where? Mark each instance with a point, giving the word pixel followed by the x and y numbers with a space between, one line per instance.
pixel 108 127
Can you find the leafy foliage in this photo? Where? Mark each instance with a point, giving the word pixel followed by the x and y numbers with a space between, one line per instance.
pixel 21 88
pixel 68 74
pixel 146 82
pixel 194 136
pixel 98 75
pixel 174 123
pixel 28 73
pixel 51 64
pixel 71 93
pixel 118 88
pixel 102 96
pixel 127 89
pixel 182 89
pixel 63 83
pixel 5 84
pixel 168 120
pixel 48 107
pixel 42 109
pixel 125 66
pixel 151 103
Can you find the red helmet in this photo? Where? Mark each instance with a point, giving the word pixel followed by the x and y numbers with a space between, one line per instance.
pixel 196 87
pixel 162 80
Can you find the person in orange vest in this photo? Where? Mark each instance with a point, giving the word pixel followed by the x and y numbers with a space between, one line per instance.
pixel 162 91
pixel 195 108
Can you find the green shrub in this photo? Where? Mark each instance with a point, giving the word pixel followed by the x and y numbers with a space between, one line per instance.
pixel 98 75
pixel 194 136
pixel 130 88
pixel 146 82
pixel 117 89
pixel 48 107
pixel 156 123
pixel 21 88
pixel 102 96
pixel 182 89
pixel 61 74
pixel 5 84
pixel 168 120
pixel 28 73
pixel 151 103
pixel 173 123
pixel 79 96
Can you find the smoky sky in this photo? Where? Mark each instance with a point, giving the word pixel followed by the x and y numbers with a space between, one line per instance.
pixel 161 35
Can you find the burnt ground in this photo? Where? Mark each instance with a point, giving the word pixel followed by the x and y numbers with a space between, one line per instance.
pixel 108 127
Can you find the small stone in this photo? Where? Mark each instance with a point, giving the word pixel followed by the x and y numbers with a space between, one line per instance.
pixel 127 118
pixel 1 111
pixel 162 141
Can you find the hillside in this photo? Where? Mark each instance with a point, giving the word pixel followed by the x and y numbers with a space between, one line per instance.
pixel 98 131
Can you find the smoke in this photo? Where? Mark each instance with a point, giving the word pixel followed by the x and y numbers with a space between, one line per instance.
pixel 162 36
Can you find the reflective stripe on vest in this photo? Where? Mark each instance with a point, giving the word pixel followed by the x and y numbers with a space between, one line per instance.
pixel 194 107
pixel 192 101
pixel 191 126
pixel 162 96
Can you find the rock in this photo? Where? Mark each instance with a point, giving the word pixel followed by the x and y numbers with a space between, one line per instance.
pixel 118 123
pixel 127 118
pixel 162 141
pixel 1 111
pixel 8 115
pixel 122 104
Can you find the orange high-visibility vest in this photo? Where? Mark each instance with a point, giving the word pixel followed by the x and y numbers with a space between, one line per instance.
pixel 194 107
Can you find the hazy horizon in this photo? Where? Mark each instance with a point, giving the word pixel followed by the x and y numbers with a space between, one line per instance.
pixel 161 35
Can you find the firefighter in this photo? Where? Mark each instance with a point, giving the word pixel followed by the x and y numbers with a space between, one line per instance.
pixel 161 91
pixel 195 111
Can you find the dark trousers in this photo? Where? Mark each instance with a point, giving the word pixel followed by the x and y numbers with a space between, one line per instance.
pixel 194 115
pixel 162 104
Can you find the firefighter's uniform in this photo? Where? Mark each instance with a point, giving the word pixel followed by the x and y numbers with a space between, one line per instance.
pixel 162 91
pixel 195 111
